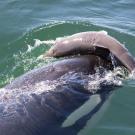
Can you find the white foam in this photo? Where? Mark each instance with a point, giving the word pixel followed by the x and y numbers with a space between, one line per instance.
pixel 92 83
pixel 46 42
pixel 96 81
pixel 45 85
pixel 38 43
pixel 132 75
pixel 30 48
pixel 12 97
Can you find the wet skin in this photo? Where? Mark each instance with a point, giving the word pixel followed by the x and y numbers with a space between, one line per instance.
pixel 44 113
pixel 98 43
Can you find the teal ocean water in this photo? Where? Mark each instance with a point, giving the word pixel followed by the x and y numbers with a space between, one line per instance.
pixel 25 24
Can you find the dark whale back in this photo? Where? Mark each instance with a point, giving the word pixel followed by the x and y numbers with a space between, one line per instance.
pixel 26 111
pixel 45 113
pixel 30 107
pixel 86 64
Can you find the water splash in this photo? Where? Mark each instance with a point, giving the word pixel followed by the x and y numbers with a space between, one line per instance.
pixel 10 99
pixel 93 83
pixel 26 60
pixel 114 62
pixel 6 79
pixel 132 75
pixel 38 43
pixel 130 81
pixel 90 83
pixel 47 42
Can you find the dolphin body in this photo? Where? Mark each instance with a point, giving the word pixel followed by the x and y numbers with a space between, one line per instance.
pixel 26 109
pixel 92 42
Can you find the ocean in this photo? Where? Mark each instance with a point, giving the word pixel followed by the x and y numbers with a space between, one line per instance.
pixel 25 24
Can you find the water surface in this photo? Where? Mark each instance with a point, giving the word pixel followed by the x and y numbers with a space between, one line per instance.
pixel 24 21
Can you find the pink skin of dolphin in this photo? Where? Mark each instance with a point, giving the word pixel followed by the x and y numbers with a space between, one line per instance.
pixel 88 42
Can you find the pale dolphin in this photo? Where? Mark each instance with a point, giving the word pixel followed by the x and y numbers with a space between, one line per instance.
pixel 92 42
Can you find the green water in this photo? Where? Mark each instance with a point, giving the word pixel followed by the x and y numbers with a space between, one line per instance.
pixel 24 21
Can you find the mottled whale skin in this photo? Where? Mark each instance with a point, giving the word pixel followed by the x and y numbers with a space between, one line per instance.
pixel 92 42
pixel 44 113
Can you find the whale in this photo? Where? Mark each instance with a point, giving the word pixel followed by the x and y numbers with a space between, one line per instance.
pixel 29 107
pixel 92 42
pixel 45 101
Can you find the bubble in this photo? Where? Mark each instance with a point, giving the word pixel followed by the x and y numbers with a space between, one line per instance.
pixel 132 75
